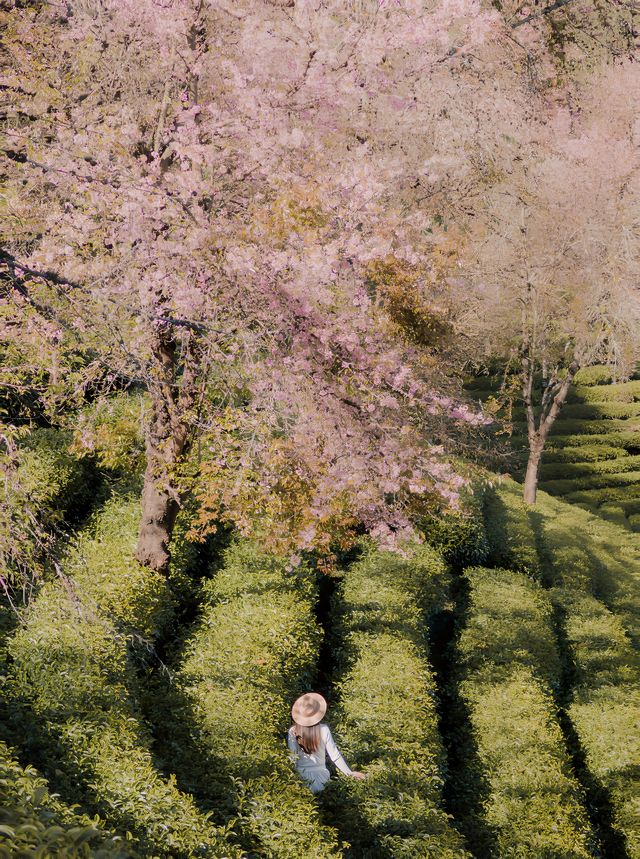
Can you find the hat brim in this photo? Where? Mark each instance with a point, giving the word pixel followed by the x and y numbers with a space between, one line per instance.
pixel 297 713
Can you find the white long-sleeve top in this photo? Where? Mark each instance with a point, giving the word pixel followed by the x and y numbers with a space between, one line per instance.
pixel 313 768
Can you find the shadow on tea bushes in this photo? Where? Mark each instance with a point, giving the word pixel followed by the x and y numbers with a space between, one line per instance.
pixel 72 670
pixel 386 717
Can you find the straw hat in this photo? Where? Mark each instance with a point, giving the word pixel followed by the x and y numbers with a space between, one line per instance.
pixel 309 709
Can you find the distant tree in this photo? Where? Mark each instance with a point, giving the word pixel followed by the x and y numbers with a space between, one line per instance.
pixel 193 195
pixel 553 253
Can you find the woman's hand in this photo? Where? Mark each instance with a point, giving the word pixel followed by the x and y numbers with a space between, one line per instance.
pixel 359 776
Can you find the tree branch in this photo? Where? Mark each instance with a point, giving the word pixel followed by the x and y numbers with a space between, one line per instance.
pixel 56 279
pixel 557 5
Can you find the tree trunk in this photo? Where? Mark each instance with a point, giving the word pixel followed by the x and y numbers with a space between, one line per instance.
pixel 533 471
pixel 177 388
pixel 166 441
pixel 553 399
pixel 159 511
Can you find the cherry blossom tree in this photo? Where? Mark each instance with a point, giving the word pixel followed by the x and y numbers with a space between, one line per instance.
pixel 553 253
pixel 195 192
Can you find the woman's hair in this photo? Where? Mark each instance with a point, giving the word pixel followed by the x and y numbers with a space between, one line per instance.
pixel 308 737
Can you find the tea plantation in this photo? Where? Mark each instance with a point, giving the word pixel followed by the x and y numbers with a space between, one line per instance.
pixel 592 457
pixel 487 684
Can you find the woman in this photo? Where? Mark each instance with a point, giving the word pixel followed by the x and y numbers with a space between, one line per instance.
pixel 310 741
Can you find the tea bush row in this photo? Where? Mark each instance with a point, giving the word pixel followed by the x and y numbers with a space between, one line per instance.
pixel 570 426
pixel 50 485
pixel 253 652
pixel 596 375
pixel 507 667
pixel 569 470
pixel 627 497
pixel 36 824
pixel 459 536
pixel 621 392
pixel 586 453
pixel 605 707
pixel 590 555
pixel 626 439
pixel 74 673
pixel 593 411
pixel 510 535
pixel 386 717
pixel 596 481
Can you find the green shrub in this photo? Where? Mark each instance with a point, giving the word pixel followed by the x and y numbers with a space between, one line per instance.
pixel 386 718
pixel 111 431
pixel 594 481
pixel 622 392
pixel 582 453
pixel 511 538
pixel 614 513
pixel 605 426
pixel 594 498
pixel 634 521
pixel 567 470
pixel 605 706
pixel 509 622
pixel 599 411
pixel 506 666
pixel 252 654
pixel 587 554
pixel 73 670
pixel 485 382
pixel 628 440
pixel 49 485
pixel 586 412
pixel 460 537
pixel 33 822
pixel 596 375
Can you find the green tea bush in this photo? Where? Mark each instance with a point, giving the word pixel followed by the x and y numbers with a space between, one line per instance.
pixel 634 521
pixel 587 554
pixel 60 483
pixel 594 498
pixel 587 412
pixel 49 485
pixel 511 538
pixel 480 383
pixel 507 665
pixel 73 671
pixel 605 707
pixel 614 513
pixel 595 481
pixel 253 652
pixel 605 426
pixel 582 453
pixel 628 440
pixel 596 375
pixel 568 470
pixel 460 537
pixel 597 411
pixel 622 392
pixel 386 717
pixel 110 430
pixel 33 822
